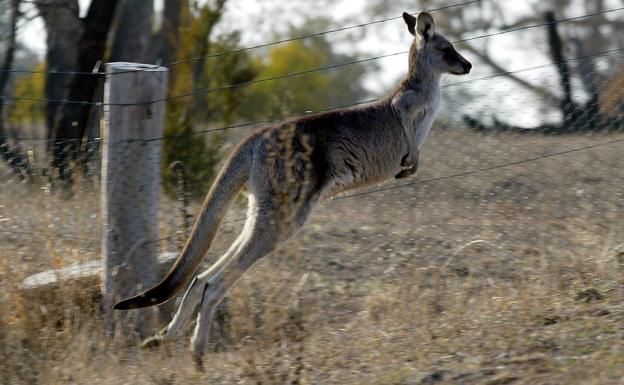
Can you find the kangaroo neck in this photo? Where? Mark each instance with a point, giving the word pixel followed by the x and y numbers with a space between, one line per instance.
pixel 422 79
pixel 420 74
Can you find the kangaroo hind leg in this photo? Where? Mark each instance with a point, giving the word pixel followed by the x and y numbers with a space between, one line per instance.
pixel 192 297
pixel 265 235
pixel 196 290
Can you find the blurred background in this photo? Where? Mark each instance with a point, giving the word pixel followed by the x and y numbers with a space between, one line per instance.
pixel 499 262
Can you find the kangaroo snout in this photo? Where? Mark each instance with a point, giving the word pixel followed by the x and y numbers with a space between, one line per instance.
pixel 461 67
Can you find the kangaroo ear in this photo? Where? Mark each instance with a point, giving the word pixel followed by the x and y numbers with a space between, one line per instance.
pixel 426 25
pixel 411 22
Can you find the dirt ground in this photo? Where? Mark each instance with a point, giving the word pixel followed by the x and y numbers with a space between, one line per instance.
pixel 508 276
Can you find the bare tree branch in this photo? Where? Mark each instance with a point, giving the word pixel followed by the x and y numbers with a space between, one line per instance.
pixel 542 92
pixel 548 96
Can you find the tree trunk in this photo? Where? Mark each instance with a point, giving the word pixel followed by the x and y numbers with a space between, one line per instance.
pixel 63 29
pixel 587 74
pixel 167 40
pixel 9 52
pixel 568 108
pixel 7 62
pixel 133 31
pixel 71 125
pixel 211 18
pixel 13 158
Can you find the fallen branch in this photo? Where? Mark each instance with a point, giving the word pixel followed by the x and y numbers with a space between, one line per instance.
pixel 83 274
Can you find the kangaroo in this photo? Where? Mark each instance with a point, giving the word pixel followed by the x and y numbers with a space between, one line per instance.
pixel 289 167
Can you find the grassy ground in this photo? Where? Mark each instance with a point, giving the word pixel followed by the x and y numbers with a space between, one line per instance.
pixel 513 276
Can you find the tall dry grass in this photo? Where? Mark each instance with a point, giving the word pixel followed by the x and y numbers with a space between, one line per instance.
pixel 506 277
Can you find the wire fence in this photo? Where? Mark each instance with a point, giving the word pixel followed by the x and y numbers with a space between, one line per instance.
pixel 484 179
pixel 614 51
pixel 286 75
pixel 506 243
pixel 331 31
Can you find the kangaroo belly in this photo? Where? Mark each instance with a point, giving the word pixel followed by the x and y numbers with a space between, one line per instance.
pixel 363 166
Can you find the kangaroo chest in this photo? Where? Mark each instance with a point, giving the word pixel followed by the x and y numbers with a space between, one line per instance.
pixel 419 121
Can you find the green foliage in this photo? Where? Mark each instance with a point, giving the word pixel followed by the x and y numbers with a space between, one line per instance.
pixel 29 86
pixel 185 116
pixel 191 149
pixel 200 153
pixel 280 97
pixel 307 92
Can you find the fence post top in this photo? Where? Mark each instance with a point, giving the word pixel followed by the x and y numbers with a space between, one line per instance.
pixel 127 66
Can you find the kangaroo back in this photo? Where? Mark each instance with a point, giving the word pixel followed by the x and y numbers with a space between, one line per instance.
pixel 225 188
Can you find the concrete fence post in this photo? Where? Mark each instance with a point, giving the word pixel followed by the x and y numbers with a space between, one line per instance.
pixel 130 191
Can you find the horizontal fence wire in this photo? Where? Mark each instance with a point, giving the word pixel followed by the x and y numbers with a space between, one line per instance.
pixel 316 34
pixel 510 30
pixel 225 53
pixel 268 121
pixel 544 24
pixel 96 73
pixel 47 234
pixel 239 50
pixel 482 170
pixel 469 81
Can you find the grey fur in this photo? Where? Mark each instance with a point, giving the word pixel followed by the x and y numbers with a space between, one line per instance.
pixel 291 166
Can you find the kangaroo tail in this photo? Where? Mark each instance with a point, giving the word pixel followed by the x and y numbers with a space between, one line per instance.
pixel 225 188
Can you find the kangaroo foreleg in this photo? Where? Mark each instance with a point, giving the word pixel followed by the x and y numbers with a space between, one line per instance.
pixel 409 164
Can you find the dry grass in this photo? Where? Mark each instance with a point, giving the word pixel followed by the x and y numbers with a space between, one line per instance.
pixel 506 277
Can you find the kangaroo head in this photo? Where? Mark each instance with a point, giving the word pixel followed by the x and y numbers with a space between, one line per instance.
pixel 432 52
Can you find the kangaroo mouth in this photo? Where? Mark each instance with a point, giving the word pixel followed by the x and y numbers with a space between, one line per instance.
pixel 462 68
pixel 465 70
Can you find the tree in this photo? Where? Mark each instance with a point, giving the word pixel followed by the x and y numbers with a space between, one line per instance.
pixel 31 86
pixel 550 41
pixel 63 29
pixel 133 29
pixel 200 154
pixel 167 39
pixel 13 157
pixel 70 126
pixel 312 91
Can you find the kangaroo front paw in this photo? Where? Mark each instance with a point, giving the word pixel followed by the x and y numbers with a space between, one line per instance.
pixel 410 160
pixel 406 172
pixel 152 342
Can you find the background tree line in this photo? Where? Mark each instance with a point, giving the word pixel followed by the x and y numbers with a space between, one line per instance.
pixel 183 31
pixel 584 94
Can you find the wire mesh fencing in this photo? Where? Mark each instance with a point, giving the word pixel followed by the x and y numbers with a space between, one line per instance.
pixel 491 204
pixel 506 180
